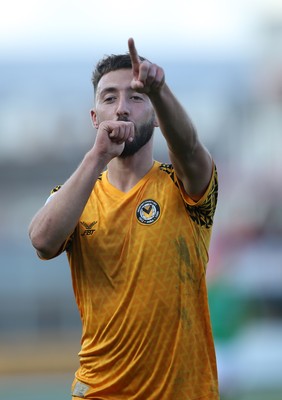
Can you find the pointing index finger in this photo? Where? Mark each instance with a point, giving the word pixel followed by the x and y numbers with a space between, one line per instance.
pixel 135 60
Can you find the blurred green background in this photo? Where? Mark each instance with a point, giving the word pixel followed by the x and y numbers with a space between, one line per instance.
pixel 223 60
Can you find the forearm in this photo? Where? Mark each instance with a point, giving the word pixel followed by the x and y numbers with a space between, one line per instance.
pixel 191 160
pixel 58 218
pixel 175 124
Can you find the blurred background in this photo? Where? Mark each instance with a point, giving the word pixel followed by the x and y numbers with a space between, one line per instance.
pixel 223 60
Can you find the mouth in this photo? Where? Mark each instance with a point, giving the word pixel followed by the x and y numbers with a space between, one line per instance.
pixel 124 119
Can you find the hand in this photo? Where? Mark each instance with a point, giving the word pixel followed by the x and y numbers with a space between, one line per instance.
pixel 111 137
pixel 147 77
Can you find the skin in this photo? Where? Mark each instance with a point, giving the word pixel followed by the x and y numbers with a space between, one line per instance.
pixel 138 95
pixel 115 99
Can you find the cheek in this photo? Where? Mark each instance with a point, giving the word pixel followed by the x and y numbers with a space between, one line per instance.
pixel 104 115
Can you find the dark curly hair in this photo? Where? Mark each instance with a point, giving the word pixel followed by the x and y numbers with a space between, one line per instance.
pixel 111 63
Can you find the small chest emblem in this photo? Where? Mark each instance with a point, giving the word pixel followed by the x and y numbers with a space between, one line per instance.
pixel 148 212
pixel 88 228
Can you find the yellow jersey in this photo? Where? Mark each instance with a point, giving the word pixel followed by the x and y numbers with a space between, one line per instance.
pixel 138 264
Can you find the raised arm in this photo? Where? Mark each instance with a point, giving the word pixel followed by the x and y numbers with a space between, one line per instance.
pixel 191 160
pixel 57 219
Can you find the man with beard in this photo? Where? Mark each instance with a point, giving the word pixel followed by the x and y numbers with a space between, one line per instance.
pixel 136 233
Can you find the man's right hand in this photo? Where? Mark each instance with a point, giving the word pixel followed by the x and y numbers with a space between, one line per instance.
pixel 111 137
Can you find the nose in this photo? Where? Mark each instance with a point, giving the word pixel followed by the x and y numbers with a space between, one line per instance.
pixel 122 107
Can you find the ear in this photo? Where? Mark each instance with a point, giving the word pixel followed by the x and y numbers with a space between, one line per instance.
pixel 156 122
pixel 94 118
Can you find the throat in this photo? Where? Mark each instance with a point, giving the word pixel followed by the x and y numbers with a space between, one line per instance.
pixel 124 187
pixel 125 179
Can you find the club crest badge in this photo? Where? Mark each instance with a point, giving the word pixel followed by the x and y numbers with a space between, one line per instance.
pixel 148 212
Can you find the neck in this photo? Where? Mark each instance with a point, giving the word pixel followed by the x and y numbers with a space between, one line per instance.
pixel 125 173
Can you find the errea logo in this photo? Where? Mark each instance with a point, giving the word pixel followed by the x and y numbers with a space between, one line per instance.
pixel 148 212
pixel 88 228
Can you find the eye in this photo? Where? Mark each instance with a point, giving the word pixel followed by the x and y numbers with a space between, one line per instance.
pixel 109 99
pixel 136 98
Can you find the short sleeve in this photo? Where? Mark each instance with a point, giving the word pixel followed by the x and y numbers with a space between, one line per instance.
pixel 201 212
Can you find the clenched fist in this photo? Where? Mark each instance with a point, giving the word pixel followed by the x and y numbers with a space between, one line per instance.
pixel 111 137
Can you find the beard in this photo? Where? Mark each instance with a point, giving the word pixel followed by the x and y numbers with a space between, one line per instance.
pixel 142 136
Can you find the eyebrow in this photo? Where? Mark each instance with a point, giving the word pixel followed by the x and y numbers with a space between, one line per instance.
pixel 114 89
pixel 106 90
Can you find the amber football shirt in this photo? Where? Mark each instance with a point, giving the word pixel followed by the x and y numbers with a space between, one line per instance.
pixel 138 263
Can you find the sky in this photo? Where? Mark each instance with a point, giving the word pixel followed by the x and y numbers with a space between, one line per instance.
pixel 34 29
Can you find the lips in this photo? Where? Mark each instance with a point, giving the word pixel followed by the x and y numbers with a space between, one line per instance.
pixel 124 119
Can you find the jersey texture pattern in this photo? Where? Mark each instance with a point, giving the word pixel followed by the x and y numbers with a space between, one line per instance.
pixel 138 263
